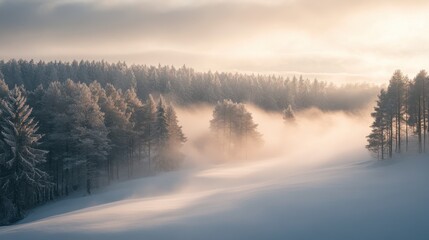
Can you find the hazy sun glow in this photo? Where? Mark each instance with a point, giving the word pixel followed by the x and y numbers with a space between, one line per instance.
pixel 331 40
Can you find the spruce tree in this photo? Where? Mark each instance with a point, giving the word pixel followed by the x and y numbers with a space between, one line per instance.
pixel 134 109
pixel 90 143
pixel 146 126
pixel 288 114
pixel 396 91
pixel 112 103
pixel 4 89
pixel 161 137
pixel 378 138
pixel 21 176
pixel 176 137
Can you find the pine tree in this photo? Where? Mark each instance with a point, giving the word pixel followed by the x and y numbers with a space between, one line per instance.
pixel 288 114
pixel 161 137
pixel 117 120
pixel 396 92
pixel 417 107
pixel 146 127
pixel 90 143
pixel 57 125
pixel 4 89
pixel 21 177
pixel 176 137
pixel 378 138
pixel 134 142
pixel 247 136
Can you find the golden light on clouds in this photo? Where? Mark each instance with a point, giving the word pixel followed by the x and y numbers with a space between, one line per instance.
pixel 331 39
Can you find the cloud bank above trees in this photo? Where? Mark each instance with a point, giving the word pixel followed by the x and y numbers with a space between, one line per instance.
pixel 332 39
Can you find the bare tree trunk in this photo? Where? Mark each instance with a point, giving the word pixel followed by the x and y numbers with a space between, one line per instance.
pixel 117 170
pixel 109 169
pixel 424 117
pixel 62 180
pixel 230 133
pixel 398 117
pixel 129 161
pixel 419 125
pixel 391 138
pixel 57 185
pixel 406 136
pixel 407 116
pixel 150 158
pixel 88 185
pixel 67 182
pixel 17 201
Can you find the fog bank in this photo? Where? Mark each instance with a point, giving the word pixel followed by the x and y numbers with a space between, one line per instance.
pixel 314 138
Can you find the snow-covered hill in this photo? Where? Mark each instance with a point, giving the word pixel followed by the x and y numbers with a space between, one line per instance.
pixel 315 180
pixel 260 200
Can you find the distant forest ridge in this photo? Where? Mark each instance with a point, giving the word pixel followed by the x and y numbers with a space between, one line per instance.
pixel 186 86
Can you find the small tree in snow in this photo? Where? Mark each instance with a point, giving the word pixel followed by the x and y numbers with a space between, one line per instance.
pixel 288 114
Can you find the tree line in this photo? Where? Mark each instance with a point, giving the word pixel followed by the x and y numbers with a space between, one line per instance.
pixel 75 136
pixel 401 116
pixel 186 86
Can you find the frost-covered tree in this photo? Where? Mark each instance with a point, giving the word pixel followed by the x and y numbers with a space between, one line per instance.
pixel 134 110
pixel 403 104
pixel 161 137
pixel 117 120
pixel 288 114
pixel 233 127
pixel 132 100
pixel 396 92
pixel 185 86
pixel 90 144
pixel 57 126
pixel 78 137
pixel 177 138
pixel 170 151
pixel 145 125
pixel 4 89
pixel 418 107
pixel 378 139
pixel 21 178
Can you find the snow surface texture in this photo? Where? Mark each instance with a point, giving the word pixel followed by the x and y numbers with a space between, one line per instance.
pixel 329 188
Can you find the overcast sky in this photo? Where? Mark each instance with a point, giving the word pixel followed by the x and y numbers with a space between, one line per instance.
pixel 353 40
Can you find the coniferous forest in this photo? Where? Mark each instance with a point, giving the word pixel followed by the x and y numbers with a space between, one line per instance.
pixel 186 86
pixel 401 117
pixel 75 136
pixel 79 126
pixel 214 119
